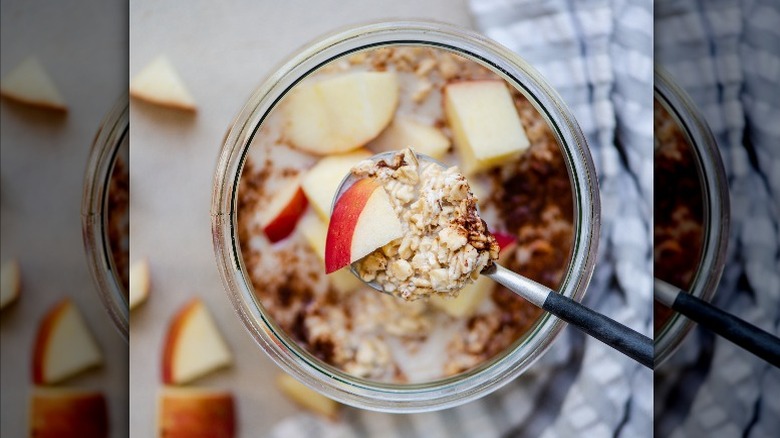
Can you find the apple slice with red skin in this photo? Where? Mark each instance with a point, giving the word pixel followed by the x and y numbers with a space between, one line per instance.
pixel 283 212
pixel 63 345
pixel 191 412
pixel 194 345
pixel 362 221
pixel 65 413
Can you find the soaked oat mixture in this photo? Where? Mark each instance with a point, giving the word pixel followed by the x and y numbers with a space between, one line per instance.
pixel 378 336
pixel 445 244
pixel 678 213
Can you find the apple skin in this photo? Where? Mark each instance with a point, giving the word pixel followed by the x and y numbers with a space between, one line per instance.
pixel 197 413
pixel 210 346
pixel 68 413
pixel 344 219
pixel 170 341
pixel 41 339
pixel 504 240
pixel 283 224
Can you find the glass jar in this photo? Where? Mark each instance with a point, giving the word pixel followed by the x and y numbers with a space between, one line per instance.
pixel 294 359
pixel 715 207
pixel 111 146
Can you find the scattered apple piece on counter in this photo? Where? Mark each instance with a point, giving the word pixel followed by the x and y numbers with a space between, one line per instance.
pixel 194 345
pixel 63 345
pixel 140 283
pixel 284 210
pixel 405 132
pixel 315 231
pixel 363 220
pixel 28 83
pixel 159 83
pixel 65 413
pixel 10 282
pixel 486 128
pixel 340 113
pixel 307 398
pixel 196 412
pixel 323 179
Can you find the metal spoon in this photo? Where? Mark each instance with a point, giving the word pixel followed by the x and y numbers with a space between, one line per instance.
pixel 736 330
pixel 607 330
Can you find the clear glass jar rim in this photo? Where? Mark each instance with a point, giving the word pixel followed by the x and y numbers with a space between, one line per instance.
pixel 291 357
pixel 712 174
pixel 112 133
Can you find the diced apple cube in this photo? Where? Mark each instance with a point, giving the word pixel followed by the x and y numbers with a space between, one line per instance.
pixel 321 181
pixel 486 127
pixel 340 113
pixel 405 132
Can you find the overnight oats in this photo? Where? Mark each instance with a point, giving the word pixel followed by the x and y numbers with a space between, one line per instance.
pixel 431 241
pixel 678 214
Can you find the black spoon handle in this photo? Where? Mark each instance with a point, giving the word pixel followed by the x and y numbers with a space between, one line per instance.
pixel 736 330
pixel 606 330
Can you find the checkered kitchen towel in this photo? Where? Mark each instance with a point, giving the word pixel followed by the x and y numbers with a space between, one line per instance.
pixel 598 55
pixel 727 57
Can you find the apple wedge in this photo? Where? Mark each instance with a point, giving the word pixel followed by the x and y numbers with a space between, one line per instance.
pixel 405 132
pixel 282 213
pixel 159 83
pixel 315 231
pixel 29 84
pixel 191 412
pixel 307 398
pixel 140 283
pixel 340 113
pixel 485 125
pixel 10 283
pixel 65 413
pixel 323 179
pixel 63 345
pixel 363 220
pixel 194 346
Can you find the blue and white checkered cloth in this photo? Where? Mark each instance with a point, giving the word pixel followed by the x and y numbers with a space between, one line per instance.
pixel 598 55
pixel 727 58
